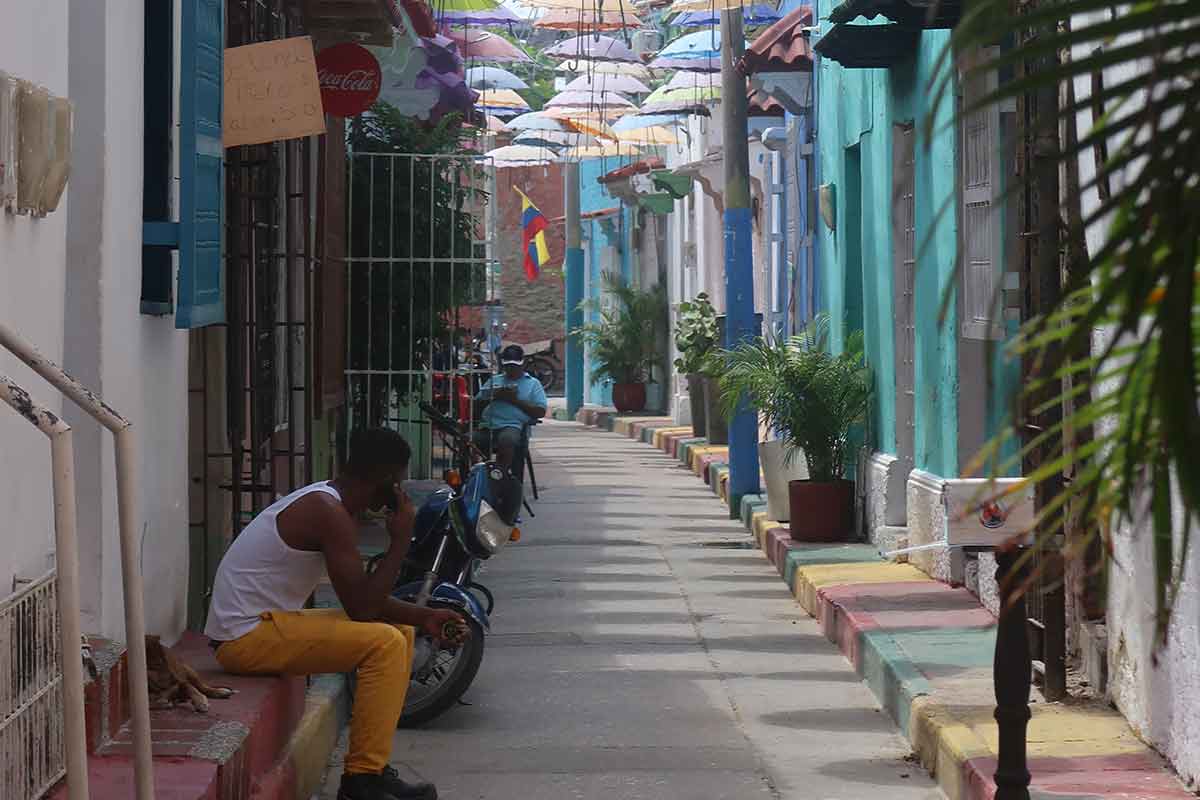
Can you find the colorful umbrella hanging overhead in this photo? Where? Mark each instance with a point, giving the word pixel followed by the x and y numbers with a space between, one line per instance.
pixel 520 155
pixel 624 6
pixel 753 15
pixel 607 83
pixel 585 100
pixel 635 121
pixel 493 78
pixel 648 137
pixel 489 14
pixel 484 46
pixel 698 44
pixel 709 64
pixel 570 121
pixel 570 19
pixel 501 103
pixel 592 48
pixel 638 71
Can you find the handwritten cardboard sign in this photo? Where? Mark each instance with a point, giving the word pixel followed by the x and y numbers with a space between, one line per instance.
pixel 271 92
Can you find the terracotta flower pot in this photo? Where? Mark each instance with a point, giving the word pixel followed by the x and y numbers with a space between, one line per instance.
pixel 695 384
pixel 821 512
pixel 629 397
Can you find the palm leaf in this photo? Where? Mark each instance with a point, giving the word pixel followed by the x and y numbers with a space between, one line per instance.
pixel 1138 391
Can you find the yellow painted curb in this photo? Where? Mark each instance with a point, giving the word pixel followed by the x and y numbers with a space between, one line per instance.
pixel 656 440
pixel 696 453
pixel 761 525
pixel 315 737
pixel 812 577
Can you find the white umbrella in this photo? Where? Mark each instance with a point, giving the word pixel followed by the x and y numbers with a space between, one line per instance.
pixel 626 84
pixel 589 100
pixel 493 78
pixel 520 155
pixel 605 68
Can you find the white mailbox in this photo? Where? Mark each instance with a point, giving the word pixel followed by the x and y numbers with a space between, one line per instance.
pixel 982 512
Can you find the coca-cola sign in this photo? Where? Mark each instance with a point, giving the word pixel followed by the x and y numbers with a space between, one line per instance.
pixel 350 79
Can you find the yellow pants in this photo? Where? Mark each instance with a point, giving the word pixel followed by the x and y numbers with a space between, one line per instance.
pixel 326 640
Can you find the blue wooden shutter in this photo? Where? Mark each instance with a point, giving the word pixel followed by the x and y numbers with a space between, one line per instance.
pixel 201 166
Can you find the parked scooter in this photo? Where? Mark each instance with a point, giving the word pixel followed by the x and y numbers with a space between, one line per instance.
pixel 457 528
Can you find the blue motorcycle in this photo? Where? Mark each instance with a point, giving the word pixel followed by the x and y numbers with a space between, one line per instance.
pixel 457 528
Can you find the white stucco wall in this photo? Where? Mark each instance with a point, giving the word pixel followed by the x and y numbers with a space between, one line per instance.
pixel 138 363
pixel 33 46
pixel 1156 688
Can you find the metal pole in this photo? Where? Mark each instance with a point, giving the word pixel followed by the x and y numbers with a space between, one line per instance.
pixel 1011 676
pixel 739 274
pixel 135 618
pixel 131 571
pixel 66 546
pixel 574 288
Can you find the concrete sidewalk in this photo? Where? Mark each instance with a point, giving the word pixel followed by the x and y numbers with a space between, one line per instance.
pixel 925 648
pixel 643 650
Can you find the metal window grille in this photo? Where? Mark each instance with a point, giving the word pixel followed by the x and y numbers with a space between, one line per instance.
pixel 420 261
pixel 32 741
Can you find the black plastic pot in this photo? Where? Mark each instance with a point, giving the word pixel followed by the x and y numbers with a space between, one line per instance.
pixel 695 382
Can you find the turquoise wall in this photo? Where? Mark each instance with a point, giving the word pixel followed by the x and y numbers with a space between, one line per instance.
pixel 857 110
pixel 598 236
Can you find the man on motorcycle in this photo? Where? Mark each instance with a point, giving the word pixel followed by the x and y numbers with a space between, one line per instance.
pixel 509 402
pixel 257 622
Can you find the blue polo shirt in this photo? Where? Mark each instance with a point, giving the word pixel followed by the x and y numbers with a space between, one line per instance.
pixel 500 414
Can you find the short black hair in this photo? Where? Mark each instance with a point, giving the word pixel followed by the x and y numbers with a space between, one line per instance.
pixel 374 450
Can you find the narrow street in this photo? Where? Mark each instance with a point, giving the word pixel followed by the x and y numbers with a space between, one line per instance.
pixel 642 650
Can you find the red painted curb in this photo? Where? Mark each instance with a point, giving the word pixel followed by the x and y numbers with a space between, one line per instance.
pixel 1130 776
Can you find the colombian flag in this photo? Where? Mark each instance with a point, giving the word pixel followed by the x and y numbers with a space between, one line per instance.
pixel 533 227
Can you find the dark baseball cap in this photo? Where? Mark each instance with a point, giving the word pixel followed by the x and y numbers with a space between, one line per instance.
pixel 513 355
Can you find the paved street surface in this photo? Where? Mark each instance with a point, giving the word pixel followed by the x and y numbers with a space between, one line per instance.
pixel 642 651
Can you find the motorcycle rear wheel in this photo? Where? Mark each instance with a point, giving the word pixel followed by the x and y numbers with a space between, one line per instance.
pixel 421 708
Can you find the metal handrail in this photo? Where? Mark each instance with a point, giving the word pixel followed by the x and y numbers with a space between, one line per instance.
pixel 66 543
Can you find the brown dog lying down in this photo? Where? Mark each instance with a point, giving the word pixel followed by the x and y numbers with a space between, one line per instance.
pixel 171 681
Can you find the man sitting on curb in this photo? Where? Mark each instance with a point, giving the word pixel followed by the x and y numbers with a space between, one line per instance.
pixel 509 402
pixel 257 622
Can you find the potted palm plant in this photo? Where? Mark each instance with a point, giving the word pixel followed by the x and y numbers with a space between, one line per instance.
pixel 625 341
pixel 813 399
pixel 695 338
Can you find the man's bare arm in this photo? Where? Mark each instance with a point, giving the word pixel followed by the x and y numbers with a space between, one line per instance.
pixel 364 597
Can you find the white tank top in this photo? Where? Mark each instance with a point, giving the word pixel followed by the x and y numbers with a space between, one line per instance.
pixel 261 572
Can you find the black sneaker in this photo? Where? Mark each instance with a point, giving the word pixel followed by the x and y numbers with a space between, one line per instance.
pixel 385 786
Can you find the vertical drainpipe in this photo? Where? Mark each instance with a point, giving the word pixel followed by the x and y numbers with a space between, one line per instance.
pixel 574 289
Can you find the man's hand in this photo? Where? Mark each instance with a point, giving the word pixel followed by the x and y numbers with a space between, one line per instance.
pixel 507 394
pixel 446 625
pixel 400 523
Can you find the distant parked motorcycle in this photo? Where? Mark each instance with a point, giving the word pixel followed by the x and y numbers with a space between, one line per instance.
pixel 457 528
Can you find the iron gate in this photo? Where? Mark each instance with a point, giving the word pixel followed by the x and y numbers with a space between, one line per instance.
pixel 421 267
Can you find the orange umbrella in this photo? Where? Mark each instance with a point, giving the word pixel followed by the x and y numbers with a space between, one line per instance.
pixel 586 20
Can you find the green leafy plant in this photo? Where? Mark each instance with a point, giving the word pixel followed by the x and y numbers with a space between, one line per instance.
pixel 625 340
pixel 695 334
pixel 1130 398
pixel 811 396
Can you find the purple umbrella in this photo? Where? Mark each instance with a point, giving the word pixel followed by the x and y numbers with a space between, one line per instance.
pixel 712 64
pixel 479 19
pixel 441 54
pixel 591 47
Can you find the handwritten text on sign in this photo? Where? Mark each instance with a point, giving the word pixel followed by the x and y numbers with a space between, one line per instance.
pixel 271 92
